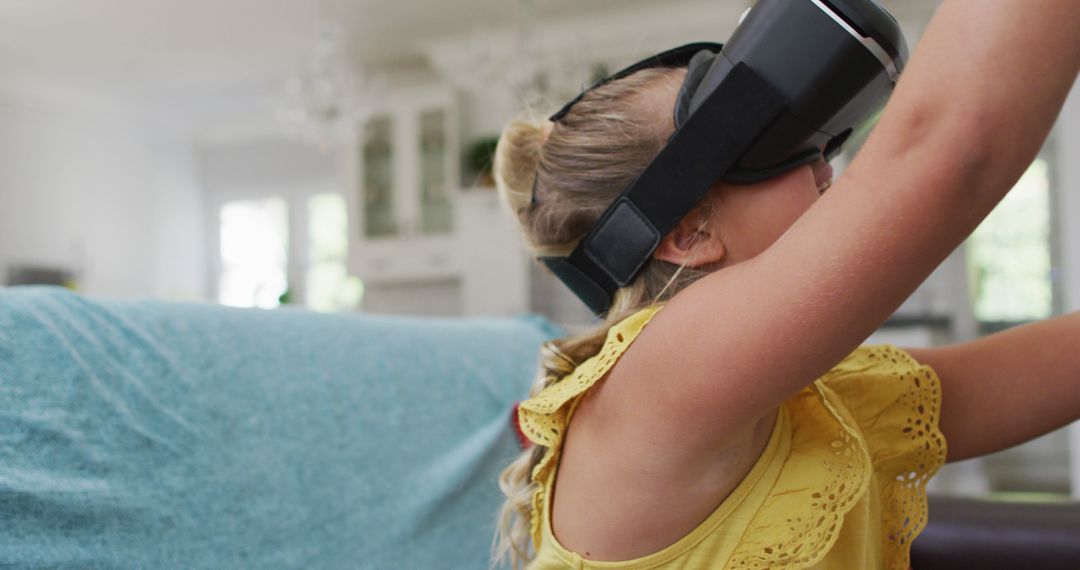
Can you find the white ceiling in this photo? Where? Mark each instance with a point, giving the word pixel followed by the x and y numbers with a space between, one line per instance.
pixel 200 60
pixel 194 44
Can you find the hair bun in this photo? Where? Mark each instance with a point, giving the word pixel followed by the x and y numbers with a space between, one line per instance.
pixel 517 158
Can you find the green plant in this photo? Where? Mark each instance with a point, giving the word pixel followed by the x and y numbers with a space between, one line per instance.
pixel 481 155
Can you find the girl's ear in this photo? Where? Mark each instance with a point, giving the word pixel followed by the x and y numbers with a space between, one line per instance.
pixel 691 242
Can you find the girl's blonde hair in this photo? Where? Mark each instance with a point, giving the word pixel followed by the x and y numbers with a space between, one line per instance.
pixel 586 161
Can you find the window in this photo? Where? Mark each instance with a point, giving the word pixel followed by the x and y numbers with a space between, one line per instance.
pixel 329 287
pixel 1010 265
pixel 254 253
pixel 1009 259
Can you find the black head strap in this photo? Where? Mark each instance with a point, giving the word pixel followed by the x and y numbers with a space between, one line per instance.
pixel 681 56
pixel 695 72
pixel 675 57
pixel 627 233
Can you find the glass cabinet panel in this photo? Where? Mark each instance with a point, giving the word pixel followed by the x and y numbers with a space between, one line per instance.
pixel 436 213
pixel 378 190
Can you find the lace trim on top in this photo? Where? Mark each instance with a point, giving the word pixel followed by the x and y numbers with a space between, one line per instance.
pixel 543 417
pixel 828 469
pixel 899 419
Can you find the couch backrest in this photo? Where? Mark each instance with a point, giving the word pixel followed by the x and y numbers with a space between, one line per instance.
pixel 147 434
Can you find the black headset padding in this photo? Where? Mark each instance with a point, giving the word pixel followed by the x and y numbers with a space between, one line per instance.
pixel 699 66
pixel 695 71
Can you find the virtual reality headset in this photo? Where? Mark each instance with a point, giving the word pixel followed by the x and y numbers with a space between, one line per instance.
pixel 796 76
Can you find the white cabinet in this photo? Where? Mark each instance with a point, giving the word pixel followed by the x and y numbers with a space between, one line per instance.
pixel 402 176
pixel 420 244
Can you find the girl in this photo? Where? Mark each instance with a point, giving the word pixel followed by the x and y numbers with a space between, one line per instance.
pixel 724 414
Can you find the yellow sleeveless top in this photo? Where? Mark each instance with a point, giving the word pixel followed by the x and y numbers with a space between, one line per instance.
pixel 841 483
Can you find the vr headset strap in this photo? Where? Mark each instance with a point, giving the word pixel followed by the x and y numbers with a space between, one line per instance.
pixel 696 156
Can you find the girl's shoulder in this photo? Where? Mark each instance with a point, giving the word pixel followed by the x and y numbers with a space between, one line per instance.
pixel 539 416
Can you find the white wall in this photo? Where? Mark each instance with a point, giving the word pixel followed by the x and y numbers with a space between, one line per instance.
pixel 116 199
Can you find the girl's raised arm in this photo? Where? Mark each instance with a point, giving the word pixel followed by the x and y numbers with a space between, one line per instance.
pixel 978 98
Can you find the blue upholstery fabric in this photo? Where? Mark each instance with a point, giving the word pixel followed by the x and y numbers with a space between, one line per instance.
pixel 146 434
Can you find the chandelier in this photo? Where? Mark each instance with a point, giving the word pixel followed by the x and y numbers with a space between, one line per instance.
pixel 326 101
pixel 515 60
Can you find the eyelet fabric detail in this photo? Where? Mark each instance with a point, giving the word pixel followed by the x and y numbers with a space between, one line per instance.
pixel 897 401
pixel 862 443
pixel 826 473
pixel 543 417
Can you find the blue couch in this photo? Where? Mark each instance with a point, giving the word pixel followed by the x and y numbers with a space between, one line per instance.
pixel 145 434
